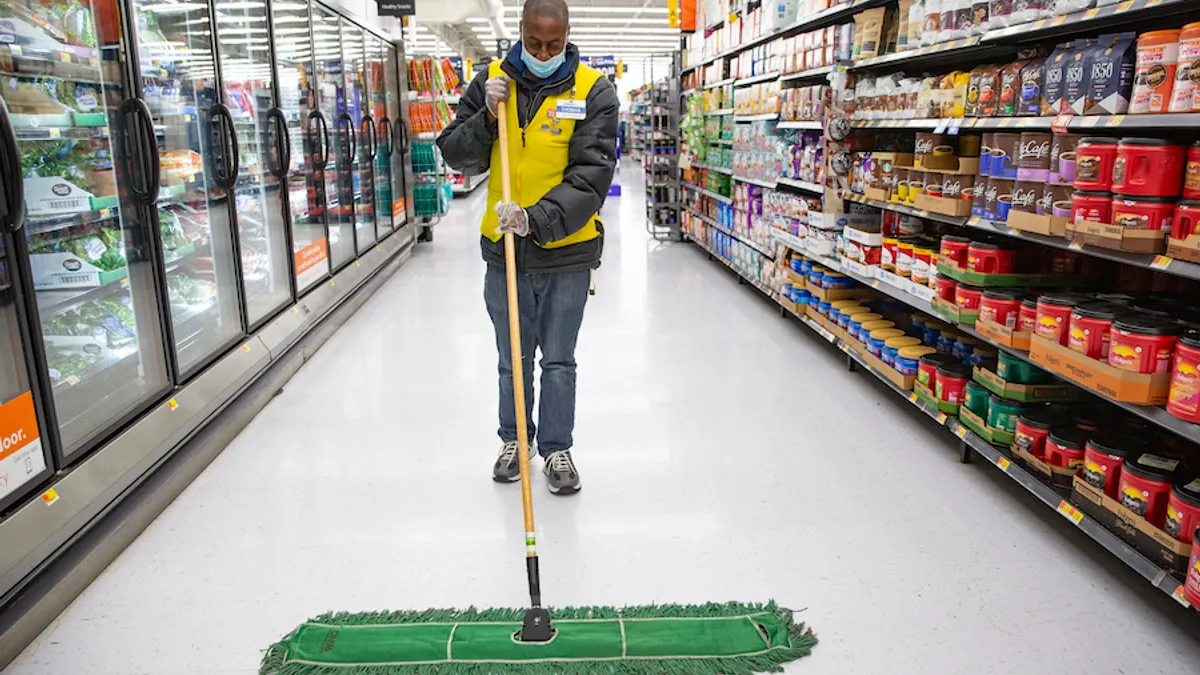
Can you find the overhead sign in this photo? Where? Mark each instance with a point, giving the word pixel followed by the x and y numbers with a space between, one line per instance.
pixel 673 13
pixel 599 61
pixel 397 7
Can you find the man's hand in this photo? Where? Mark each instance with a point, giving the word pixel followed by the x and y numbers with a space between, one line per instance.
pixel 512 218
pixel 496 90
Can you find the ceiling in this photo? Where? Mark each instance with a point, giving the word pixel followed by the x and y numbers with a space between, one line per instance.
pixel 628 29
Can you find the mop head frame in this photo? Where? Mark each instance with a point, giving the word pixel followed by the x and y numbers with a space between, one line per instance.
pixel 713 639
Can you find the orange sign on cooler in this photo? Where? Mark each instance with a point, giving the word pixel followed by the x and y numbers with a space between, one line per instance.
pixel 21 455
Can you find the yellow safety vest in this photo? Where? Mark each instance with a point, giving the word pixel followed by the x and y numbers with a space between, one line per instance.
pixel 547 154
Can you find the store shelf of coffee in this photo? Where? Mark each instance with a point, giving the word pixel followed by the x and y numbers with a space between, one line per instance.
pixel 1160 263
pixel 946 53
pixel 764 250
pixel 826 17
pixel 909 210
pixel 708 193
pixel 1081 123
pixel 804 125
pixel 744 279
pixel 1146 568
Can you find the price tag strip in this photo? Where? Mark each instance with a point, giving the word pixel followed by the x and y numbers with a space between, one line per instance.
pixel 1070 512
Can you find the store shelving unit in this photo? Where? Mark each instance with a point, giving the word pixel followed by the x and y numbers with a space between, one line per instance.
pixel 656 119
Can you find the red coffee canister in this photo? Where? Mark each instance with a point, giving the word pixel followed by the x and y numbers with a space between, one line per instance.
pixel 1191 585
pixel 952 383
pixel 1148 167
pixel 1183 510
pixel 1103 458
pixel 967 297
pixel 927 369
pixel 1183 401
pixel 1094 159
pixel 1142 344
pixel 954 251
pixel 1092 206
pixel 1054 316
pixel 1186 220
pixel 1002 306
pixel 1143 213
pixel 1091 323
pixel 1065 447
pixel 988 258
pixel 946 288
pixel 1191 177
pixel 1028 317
pixel 1033 426
pixel 1145 486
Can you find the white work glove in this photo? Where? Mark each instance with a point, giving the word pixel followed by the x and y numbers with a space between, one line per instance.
pixel 496 90
pixel 512 218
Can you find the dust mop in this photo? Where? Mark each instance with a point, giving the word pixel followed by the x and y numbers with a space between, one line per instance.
pixel 718 638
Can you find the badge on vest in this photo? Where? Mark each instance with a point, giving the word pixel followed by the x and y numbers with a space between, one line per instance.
pixel 571 109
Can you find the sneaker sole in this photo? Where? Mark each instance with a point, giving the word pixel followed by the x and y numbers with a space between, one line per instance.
pixel 563 491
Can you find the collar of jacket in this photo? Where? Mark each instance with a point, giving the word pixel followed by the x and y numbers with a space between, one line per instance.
pixel 556 84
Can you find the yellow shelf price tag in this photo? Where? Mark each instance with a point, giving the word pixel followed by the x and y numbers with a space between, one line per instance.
pixel 961 432
pixel 54 132
pixel 1070 512
pixel 1091 13
pixel 15 50
pixel 1180 597
pixel 1161 262
pixel 1058 21
pixel 1125 6
pixel 1075 246
pixel 942 417
pixel 1003 463
pixel 913 397
pixel 50 496
pixel 1116 120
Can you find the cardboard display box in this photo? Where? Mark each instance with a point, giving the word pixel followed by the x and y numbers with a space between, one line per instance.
pixel 827 295
pixel 1129 526
pixel 904 382
pixel 926 395
pixel 942 205
pixel 953 165
pixel 1025 393
pixel 827 324
pixel 1006 280
pixel 1003 335
pixel 791 306
pixel 794 278
pixel 1185 249
pixel 979 426
pixel 1117 238
pixel 1031 222
pixel 878 194
pixel 1056 477
pixel 1098 376
pixel 952 312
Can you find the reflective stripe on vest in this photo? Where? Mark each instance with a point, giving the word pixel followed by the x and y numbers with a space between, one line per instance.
pixel 539 163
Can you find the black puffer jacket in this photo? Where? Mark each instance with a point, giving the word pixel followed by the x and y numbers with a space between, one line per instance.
pixel 467 146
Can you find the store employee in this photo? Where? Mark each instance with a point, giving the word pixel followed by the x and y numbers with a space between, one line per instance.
pixel 562 137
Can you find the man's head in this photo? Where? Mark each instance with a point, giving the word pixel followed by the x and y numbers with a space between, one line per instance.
pixel 544 28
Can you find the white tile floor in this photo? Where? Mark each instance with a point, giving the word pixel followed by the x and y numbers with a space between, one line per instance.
pixel 726 454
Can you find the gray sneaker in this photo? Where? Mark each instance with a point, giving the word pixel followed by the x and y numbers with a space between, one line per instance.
pixel 561 476
pixel 507 469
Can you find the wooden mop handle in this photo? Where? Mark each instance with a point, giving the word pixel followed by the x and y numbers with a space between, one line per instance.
pixel 514 336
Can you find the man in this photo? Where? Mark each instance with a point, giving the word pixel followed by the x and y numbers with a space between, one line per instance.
pixel 562 134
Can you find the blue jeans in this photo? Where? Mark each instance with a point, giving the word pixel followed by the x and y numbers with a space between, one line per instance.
pixel 551 313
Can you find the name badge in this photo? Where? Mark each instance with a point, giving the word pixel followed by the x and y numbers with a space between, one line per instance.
pixel 571 109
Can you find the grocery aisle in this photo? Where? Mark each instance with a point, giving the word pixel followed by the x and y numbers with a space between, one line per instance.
pixel 725 454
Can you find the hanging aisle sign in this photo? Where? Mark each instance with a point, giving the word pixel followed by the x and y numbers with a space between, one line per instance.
pixel 673 13
pixel 396 7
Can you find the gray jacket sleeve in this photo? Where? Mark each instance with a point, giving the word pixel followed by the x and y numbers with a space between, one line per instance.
pixel 466 144
pixel 592 160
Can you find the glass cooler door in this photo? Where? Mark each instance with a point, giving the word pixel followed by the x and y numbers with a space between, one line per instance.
pixel 363 134
pixel 331 101
pixel 90 258
pixel 377 90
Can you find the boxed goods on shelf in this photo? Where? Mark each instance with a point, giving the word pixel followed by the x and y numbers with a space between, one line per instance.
pixel 1022 392
pixel 1114 383
pixel 1164 549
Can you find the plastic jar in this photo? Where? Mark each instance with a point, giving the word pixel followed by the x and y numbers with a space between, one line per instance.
pixel 922 252
pixel 1091 206
pixel 1065 447
pixel 1003 413
pixel 1183 511
pixel 844 314
pixel 933 331
pixel 946 341
pixel 1154 77
pixel 1001 306
pixel 1094 159
pixel 984 357
pixel 904 257
pixel 878 337
pixel 1032 428
pixel 1054 316
pixel 892 347
pixel 927 369
pixel 976 398
pixel 823 308
pixel 963 348
pixel 1103 458
pixel 916 327
pixel 887 256
pixel 1186 221
pixel 864 333
pixel 988 258
pixel 945 288
pixel 952 383
pixel 1017 370
pixel 815 277
pixel 1191 173
pixel 908 359
pixel 836 281
pixel 967 297
pixel 1143 213
pixel 954 250
pixel 1142 344
pixel 1145 486
pixel 1091 324
pixel 854 328
pixel 1148 167
pixel 1184 398
pixel 1027 317
pixel 1183 94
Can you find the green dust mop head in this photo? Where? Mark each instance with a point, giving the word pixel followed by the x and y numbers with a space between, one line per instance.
pixel 716 639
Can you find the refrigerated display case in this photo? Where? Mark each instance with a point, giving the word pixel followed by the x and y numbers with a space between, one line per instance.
pixel 377 64
pixel 338 136
pixel 198 170
pixel 360 127
pixel 89 247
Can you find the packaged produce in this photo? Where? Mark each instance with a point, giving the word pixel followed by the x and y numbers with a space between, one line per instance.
pixel 1157 59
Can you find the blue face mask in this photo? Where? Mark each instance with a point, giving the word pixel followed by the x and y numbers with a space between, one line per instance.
pixel 543 69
